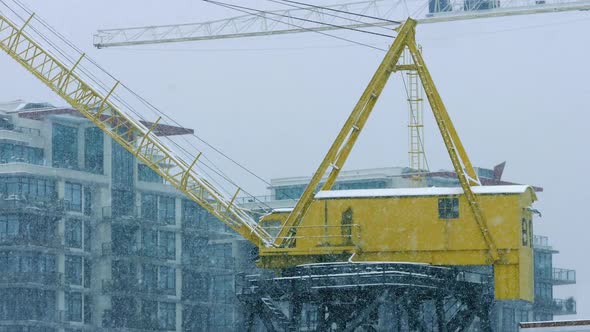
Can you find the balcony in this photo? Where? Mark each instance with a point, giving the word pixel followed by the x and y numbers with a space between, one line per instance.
pixel 132 285
pixel 20 204
pixel 21 240
pixel 564 306
pixel 19 129
pixel 44 278
pixel 131 215
pixel 209 262
pixel 563 277
pixel 158 252
pixel 134 216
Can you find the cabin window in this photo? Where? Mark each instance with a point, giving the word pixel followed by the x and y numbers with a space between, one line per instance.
pixel 448 208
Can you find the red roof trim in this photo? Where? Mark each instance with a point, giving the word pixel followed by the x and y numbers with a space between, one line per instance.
pixel 160 130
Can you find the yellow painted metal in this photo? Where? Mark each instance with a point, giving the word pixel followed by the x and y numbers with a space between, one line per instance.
pixel 340 149
pixel 384 229
pixel 130 134
pixel 409 229
pixel 416 155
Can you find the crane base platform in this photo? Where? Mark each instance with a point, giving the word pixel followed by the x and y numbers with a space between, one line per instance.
pixel 367 297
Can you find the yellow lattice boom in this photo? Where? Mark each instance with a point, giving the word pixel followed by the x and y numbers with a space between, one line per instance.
pixel 129 133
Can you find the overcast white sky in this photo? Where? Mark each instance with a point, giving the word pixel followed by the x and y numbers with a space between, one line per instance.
pixel 516 89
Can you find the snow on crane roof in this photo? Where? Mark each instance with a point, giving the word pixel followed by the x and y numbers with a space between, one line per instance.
pixel 409 192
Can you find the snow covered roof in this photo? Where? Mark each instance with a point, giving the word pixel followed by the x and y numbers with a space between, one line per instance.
pixel 409 192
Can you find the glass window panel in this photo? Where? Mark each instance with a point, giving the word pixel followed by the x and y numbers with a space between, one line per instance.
pixel 65 146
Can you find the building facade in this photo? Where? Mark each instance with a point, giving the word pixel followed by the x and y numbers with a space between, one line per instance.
pixel 92 240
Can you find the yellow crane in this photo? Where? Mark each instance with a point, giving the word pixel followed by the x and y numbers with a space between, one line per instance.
pixel 471 225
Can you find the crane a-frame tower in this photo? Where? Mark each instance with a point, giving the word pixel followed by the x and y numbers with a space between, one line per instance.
pixel 471 225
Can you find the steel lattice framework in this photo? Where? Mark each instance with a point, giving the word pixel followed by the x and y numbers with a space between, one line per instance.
pixel 285 21
pixel 129 133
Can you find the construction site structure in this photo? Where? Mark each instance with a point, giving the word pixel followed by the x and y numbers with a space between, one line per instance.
pixel 463 234
pixel 470 226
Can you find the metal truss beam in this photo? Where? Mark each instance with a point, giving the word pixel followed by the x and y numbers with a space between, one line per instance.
pixel 281 22
pixel 129 133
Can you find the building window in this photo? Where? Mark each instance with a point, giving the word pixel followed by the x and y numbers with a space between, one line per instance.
pixel 149 313
pixel 74 270
pixel 146 174
pixel 74 306
pixel 167 280
pixel 289 192
pixel 43 265
pixel 220 255
pixel 122 203
pixel 193 215
pixel 223 291
pixel 122 164
pixel 65 146
pixel 149 206
pixel 366 184
pixel 168 244
pixel 73 196
pixel 13 153
pixel 30 188
pixel 448 208
pixel 87 201
pixel 166 210
pixel 167 315
pixel 87 310
pixel 93 150
pixel 74 233
pixel 150 243
pixel 150 276
pixel 9 225
pixel 87 273
pixel 87 237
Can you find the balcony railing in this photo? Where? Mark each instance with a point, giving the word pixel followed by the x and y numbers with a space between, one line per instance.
pixel 32 205
pixel 21 240
pixel 210 262
pixel 132 285
pixel 134 215
pixel 564 306
pixel 20 129
pixel 45 278
pixel 159 252
pixel 563 276
pixel 541 242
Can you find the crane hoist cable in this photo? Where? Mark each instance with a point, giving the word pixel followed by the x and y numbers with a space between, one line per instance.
pixel 315 8
pixel 262 13
pixel 344 12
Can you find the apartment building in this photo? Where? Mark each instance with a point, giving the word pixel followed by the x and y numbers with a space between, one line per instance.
pixel 92 240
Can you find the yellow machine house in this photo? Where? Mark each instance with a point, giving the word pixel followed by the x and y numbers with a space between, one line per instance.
pixel 426 225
